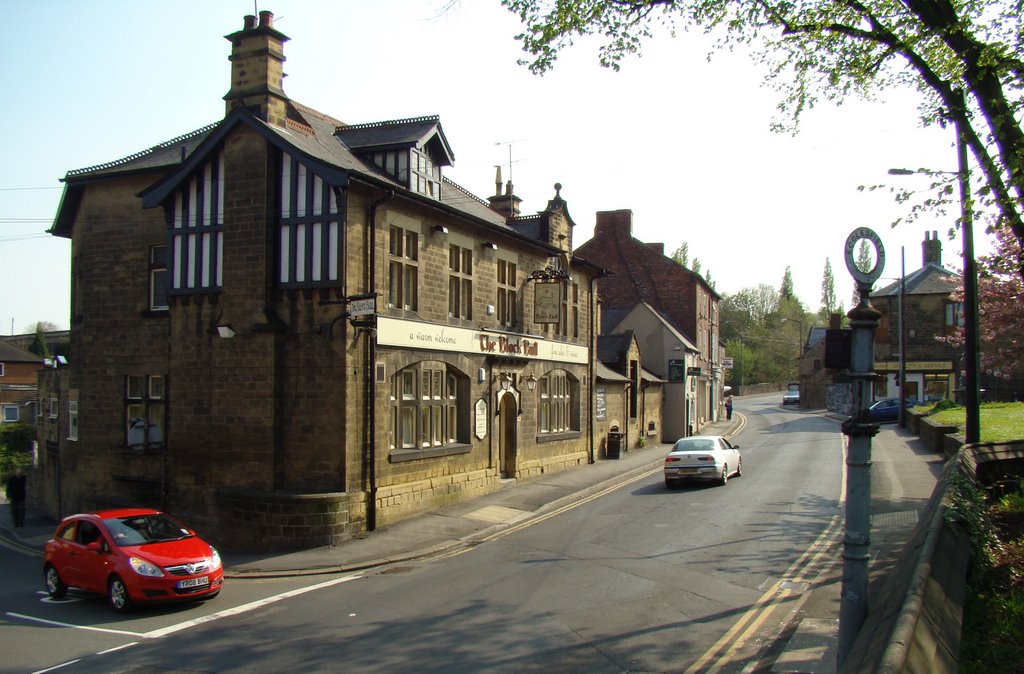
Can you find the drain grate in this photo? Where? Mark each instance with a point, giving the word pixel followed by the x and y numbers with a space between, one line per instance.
pixel 895 519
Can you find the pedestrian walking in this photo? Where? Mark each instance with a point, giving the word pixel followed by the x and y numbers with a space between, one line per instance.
pixel 728 408
pixel 17 486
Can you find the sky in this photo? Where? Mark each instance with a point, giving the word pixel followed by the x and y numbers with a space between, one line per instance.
pixel 681 141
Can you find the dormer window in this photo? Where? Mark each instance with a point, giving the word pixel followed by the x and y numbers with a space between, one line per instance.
pixel 426 176
pixel 410 151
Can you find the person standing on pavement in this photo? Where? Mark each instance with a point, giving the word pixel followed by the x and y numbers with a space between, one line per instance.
pixel 728 408
pixel 17 486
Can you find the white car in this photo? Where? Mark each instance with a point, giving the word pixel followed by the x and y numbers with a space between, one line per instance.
pixel 702 457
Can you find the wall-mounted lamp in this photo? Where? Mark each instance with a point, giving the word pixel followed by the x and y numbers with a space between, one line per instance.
pixel 531 381
pixel 490 246
pixel 225 331
pixel 505 381
pixel 440 229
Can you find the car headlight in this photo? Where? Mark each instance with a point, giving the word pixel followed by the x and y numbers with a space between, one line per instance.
pixel 144 568
pixel 214 558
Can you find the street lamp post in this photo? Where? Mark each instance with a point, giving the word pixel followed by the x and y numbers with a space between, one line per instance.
pixel 972 427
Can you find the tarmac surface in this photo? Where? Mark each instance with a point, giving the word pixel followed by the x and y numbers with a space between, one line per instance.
pixel 904 474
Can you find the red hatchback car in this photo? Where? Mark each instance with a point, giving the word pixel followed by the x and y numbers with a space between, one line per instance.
pixel 132 555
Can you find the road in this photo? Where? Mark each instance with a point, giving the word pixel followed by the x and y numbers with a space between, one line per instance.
pixel 697 578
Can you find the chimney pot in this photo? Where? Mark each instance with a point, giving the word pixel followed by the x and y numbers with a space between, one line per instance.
pixel 266 19
pixel 249 22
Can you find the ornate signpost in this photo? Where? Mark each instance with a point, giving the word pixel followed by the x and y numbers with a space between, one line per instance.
pixel 864 320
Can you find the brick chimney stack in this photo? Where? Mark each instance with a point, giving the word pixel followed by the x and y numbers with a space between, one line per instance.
pixel 257 69
pixel 614 223
pixel 931 249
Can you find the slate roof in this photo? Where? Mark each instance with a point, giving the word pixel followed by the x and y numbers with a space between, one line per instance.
pixel 312 134
pixel 611 348
pixel 816 335
pixel 10 353
pixel 605 373
pixel 612 316
pixel 396 133
pixel 161 155
pixel 931 279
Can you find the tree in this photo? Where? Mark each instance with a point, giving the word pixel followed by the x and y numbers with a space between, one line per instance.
pixel 864 262
pixel 1000 312
pixel 786 289
pixel 965 59
pixel 828 293
pixel 38 345
pixel 682 254
pixel 696 266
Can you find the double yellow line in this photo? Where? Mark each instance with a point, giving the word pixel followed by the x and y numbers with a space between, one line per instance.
pixel 809 565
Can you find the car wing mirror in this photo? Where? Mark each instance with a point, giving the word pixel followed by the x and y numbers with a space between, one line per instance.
pixel 95 546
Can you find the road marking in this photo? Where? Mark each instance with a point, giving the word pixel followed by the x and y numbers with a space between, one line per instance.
pixel 171 629
pixel 117 648
pixel 575 504
pixel 57 623
pixel 779 592
pixel 50 669
pixel 251 606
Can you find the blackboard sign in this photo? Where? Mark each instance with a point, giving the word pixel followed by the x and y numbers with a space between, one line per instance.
pixel 600 403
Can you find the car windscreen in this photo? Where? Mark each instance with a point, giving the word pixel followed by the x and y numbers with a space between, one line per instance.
pixel 143 529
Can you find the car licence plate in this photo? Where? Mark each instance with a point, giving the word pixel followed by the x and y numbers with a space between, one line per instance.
pixel 193 582
pixel 687 471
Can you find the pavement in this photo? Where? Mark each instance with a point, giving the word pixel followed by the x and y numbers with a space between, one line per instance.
pixel 904 474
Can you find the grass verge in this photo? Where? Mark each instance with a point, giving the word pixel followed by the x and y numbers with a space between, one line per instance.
pixel 993 620
pixel 1000 422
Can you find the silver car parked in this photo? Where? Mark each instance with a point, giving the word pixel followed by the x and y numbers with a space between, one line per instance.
pixel 702 457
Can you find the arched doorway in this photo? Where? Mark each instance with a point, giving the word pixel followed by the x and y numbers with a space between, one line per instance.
pixel 507 416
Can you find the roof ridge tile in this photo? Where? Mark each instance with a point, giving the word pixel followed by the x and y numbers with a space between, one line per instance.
pixel 389 122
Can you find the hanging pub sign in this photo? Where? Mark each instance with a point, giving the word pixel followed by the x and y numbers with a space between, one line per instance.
pixel 676 371
pixel 546 302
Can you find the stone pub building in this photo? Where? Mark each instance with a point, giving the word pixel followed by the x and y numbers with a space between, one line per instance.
pixel 287 329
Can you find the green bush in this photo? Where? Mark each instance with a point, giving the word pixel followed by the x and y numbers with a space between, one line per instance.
pixel 18 437
pixel 944 405
pixel 15 447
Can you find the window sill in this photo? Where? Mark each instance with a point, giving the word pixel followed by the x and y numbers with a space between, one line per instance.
pixel 555 437
pixel 401 455
pixel 155 313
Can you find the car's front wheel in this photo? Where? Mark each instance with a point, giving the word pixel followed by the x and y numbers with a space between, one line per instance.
pixel 117 595
pixel 54 585
pixel 739 467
